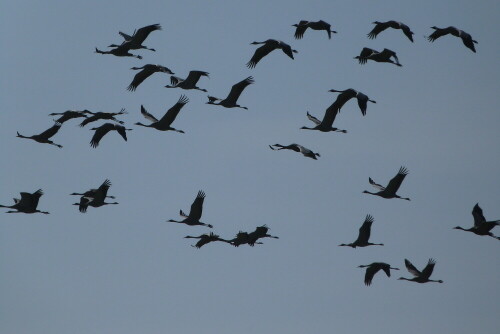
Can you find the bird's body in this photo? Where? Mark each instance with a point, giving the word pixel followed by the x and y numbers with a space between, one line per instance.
pixel 27 203
pixel 119 51
pixel 205 239
pixel 296 148
pixel 364 234
pixel 302 26
pixel 193 219
pixel 420 276
pixel 232 97
pixel 44 136
pixel 135 41
pixel 326 125
pixel 373 268
pixel 69 114
pixel 102 130
pixel 383 56
pixel 381 26
pixel 164 124
pixel 481 226
pixel 145 72
pixel 267 47
pixel 346 95
pixel 259 233
pixel 392 186
pixel 94 197
pixel 189 82
pixel 95 116
pixel 466 38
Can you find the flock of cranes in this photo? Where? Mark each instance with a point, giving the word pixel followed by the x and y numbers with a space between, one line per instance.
pixel 28 202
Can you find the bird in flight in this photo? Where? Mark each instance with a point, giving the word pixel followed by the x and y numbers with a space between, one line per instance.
pixel 232 97
pixel 135 41
pixel 420 276
pixel 101 115
pixel 373 268
pixel 145 72
pixel 28 203
pixel 466 38
pixel 392 186
pixel 383 56
pixel 267 47
pixel 346 95
pixel 315 25
pixel 381 26
pixel 188 83
pixel 481 226
pixel 364 235
pixel 164 124
pixel 296 148
pixel 205 239
pixel 44 136
pixel 193 219
pixel 102 130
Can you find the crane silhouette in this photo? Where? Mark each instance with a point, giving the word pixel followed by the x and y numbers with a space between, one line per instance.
pixel 373 268
pixel 145 72
pixel 381 26
pixel 420 276
pixel 315 25
pixel 326 125
pixel 44 136
pixel 94 197
pixel 383 56
pixel 392 186
pixel 297 148
pixel 102 130
pixel 243 238
pixel 188 83
pixel 259 233
pixel 232 97
pixel 346 95
pixel 135 41
pixel 164 124
pixel 120 51
pixel 466 38
pixel 69 114
pixel 101 115
pixel 267 47
pixel 205 239
pixel 26 204
pixel 364 234
pixel 481 226
pixel 193 219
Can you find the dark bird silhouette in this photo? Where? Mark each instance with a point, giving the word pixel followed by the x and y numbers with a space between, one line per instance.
pixel 259 233
pixel 481 226
pixel 346 95
pixel 44 136
pixel 264 50
pixel 315 25
pixel 383 56
pixel 205 239
pixel 120 51
pixel 135 41
pixel 420 277
pixel 102 115
pixel 94 197
pixel 69 114
pixel 373 268
pixel 232 97
pixel 194 216
pixel 326 124
pixel 381 26
pixel 27 204
pixel 102 130
pixel 392 186
pixel 297 148
pixel 147 70
pixel 243 238
pixel 164 124
pixel 364 235
pixel 189 82
pixel 466 38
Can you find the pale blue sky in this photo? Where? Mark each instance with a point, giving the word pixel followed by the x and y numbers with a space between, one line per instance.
pixel 123 269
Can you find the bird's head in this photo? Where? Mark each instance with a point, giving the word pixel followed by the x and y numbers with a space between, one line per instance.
pixel 376 22
pixel 366 192
pixel 434 27
pixel 255 43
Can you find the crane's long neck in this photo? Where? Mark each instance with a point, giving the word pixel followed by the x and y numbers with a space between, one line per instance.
pixel 147 126
pixel 367 192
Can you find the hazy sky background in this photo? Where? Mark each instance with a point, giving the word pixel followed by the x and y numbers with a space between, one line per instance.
pixel 123 269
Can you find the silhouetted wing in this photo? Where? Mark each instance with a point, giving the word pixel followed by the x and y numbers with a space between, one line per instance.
pixel 438 33
pixel 301 29
pixel 139 78
pixel 370 273
pixel 365 53
pixel 121 130
pixel 477 213
pixel 125 36
pixel 467 40
pixel 362 102
pixel 30 200
pixel 89 120
pixel 427 272
pixel 101 132
pixel 182 214
pixel 330 114
pixel 386 268
pixel 313 119
pixel 212 99
pixel 147 115
pixel 174 81
pixel 260 53
pixel 407 31
pixel 236 90
pixel 365 229
pixel 411 268
pixel 376 185
pixel 142 33
pixel 396 181
pixel 377 29
pixel 343 97
pixel 287 49
pixel 69 115
pixel 51 131
pixel 194 76
pixel 172 113
pixel 197 206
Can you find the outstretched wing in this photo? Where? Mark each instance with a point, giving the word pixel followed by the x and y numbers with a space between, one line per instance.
pixel 365 53
pixel 406 30
pixel 260 53
pixel 370 273
pixel 139 78
pixel 427 272
pixel 51 131
pixel 365 230
pixel 194 76
pixel 438 33
pixel 101 132
pixel 301 29
pixel 477 213
pixel 411 268
pixel 172 113
pixel 313 119
pixel 197 206
pixel 147 115
pixel 379 27
pixel 236 90
pixel 142 33
pixel 376 185
pixel 396 181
